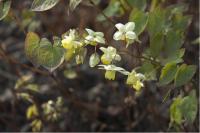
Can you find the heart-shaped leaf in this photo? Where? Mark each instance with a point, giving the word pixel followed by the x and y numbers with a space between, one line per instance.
pixel 184 74
pixel 42 52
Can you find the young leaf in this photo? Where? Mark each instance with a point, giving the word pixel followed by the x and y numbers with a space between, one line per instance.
pixel 167 74
pixel 175 111
pixel 140 18
pixel 184 74
pixel 189 107
pixel 4 8
pixel 43 5
pixel 94 60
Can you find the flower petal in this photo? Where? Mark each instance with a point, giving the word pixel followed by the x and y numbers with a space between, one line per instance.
pixel 99 34
pixel 103 49
pixel 72 33
pixel 89 38
pixel 120 27
pixel 140 76
pixel 99 39
pixel 90 32
pixel 130 26
pixel 138 85
pixel 130 35
pixel 118 35
pixel 111 50
pixel 117 57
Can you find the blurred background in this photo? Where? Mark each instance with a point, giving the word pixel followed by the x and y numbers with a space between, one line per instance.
pixel 98 104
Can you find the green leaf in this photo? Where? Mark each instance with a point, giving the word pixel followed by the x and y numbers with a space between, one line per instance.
pixel 113 9
pixel 189 107
pixel 139 4
pixel 175 111
pixel 175 57
pixel 94 60
pixel 174 41
pixel 186 108
pixel 177 8
pixel 4 8
pixel 140 18
pixel 49 56
pixel 156 23
pixel 148 70
pixel 43 5
pixel 31 46
pixel 43 52
pixel 167 74
pixel 180 22
pixel 156 44
pixel 184 74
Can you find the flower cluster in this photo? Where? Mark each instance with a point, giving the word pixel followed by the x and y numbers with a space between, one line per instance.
pixel 110 56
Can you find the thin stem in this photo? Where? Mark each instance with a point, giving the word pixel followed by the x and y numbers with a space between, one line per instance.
pixel 140 57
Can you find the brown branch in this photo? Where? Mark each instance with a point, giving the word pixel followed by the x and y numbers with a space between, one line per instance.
pixel 139 57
